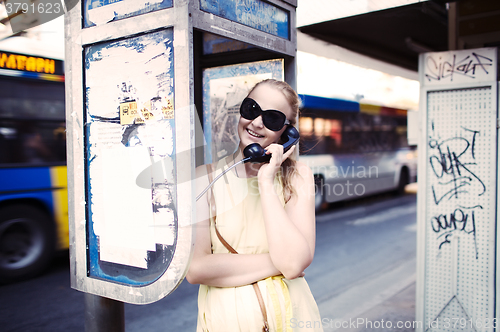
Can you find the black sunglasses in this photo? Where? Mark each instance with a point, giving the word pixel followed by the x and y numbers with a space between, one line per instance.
pixel 273 119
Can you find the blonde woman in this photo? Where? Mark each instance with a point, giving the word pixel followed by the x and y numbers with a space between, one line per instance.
pixel 255 233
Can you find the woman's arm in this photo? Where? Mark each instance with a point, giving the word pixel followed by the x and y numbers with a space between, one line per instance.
pixel 291 231
pixel 221 270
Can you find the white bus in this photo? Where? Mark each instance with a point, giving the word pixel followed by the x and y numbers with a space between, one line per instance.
pixel 354 149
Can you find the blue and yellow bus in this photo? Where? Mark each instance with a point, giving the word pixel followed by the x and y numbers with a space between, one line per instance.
pixel 33 185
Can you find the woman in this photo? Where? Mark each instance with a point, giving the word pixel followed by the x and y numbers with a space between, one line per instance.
pixel 265 214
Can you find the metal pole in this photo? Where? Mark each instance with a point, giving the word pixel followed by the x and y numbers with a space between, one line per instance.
pixel 452 26
pixel 103 314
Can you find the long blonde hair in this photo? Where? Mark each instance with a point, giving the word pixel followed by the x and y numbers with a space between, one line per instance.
pixel 288 167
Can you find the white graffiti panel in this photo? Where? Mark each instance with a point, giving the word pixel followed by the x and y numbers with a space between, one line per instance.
pixel 460 196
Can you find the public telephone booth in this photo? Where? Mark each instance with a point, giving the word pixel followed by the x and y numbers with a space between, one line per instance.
pixel 153 89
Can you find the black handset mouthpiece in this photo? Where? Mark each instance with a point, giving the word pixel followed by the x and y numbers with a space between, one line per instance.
pixel 256 154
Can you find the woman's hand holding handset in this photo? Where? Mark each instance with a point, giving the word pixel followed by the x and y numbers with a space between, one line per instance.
pixel 267 171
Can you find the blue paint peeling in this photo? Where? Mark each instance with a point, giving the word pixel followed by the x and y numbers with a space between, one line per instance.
pixel 257 14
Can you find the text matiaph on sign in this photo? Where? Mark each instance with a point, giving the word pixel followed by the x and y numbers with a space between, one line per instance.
pixel 27 63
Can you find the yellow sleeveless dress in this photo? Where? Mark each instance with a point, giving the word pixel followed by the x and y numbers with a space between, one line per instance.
pixel 289 303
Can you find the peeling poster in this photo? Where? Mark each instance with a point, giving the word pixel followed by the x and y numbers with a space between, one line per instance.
pixel 104 11
pixel 129 126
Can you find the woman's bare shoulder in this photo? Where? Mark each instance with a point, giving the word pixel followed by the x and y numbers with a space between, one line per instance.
pixel 303 170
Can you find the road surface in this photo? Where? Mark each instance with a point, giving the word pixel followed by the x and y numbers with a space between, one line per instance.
pixel 365 254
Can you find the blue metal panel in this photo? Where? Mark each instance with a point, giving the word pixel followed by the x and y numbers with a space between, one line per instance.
pixel 256 14
pixel 26 183
pixel 329 104
pixel 23 179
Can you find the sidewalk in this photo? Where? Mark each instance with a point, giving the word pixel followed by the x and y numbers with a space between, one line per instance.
pixel 389 299
pixel 395 314
pixel 397 311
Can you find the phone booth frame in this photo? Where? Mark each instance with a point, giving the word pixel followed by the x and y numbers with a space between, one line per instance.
pixel 165 39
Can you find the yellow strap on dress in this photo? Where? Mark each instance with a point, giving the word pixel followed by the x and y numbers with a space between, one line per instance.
pixel 276 302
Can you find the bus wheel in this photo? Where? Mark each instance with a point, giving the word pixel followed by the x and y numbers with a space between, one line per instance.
pixel 26 242
pixel 319 198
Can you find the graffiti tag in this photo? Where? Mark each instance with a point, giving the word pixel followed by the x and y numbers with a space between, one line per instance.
pixel 462 219
pixel 468 66
pixel 452 163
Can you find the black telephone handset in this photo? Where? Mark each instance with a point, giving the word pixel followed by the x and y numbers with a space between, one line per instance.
pixel 255 153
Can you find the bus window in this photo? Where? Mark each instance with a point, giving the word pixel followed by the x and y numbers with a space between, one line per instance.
pixel 336 132
pixel 306 126
pixel 32 142
pixel 367 138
